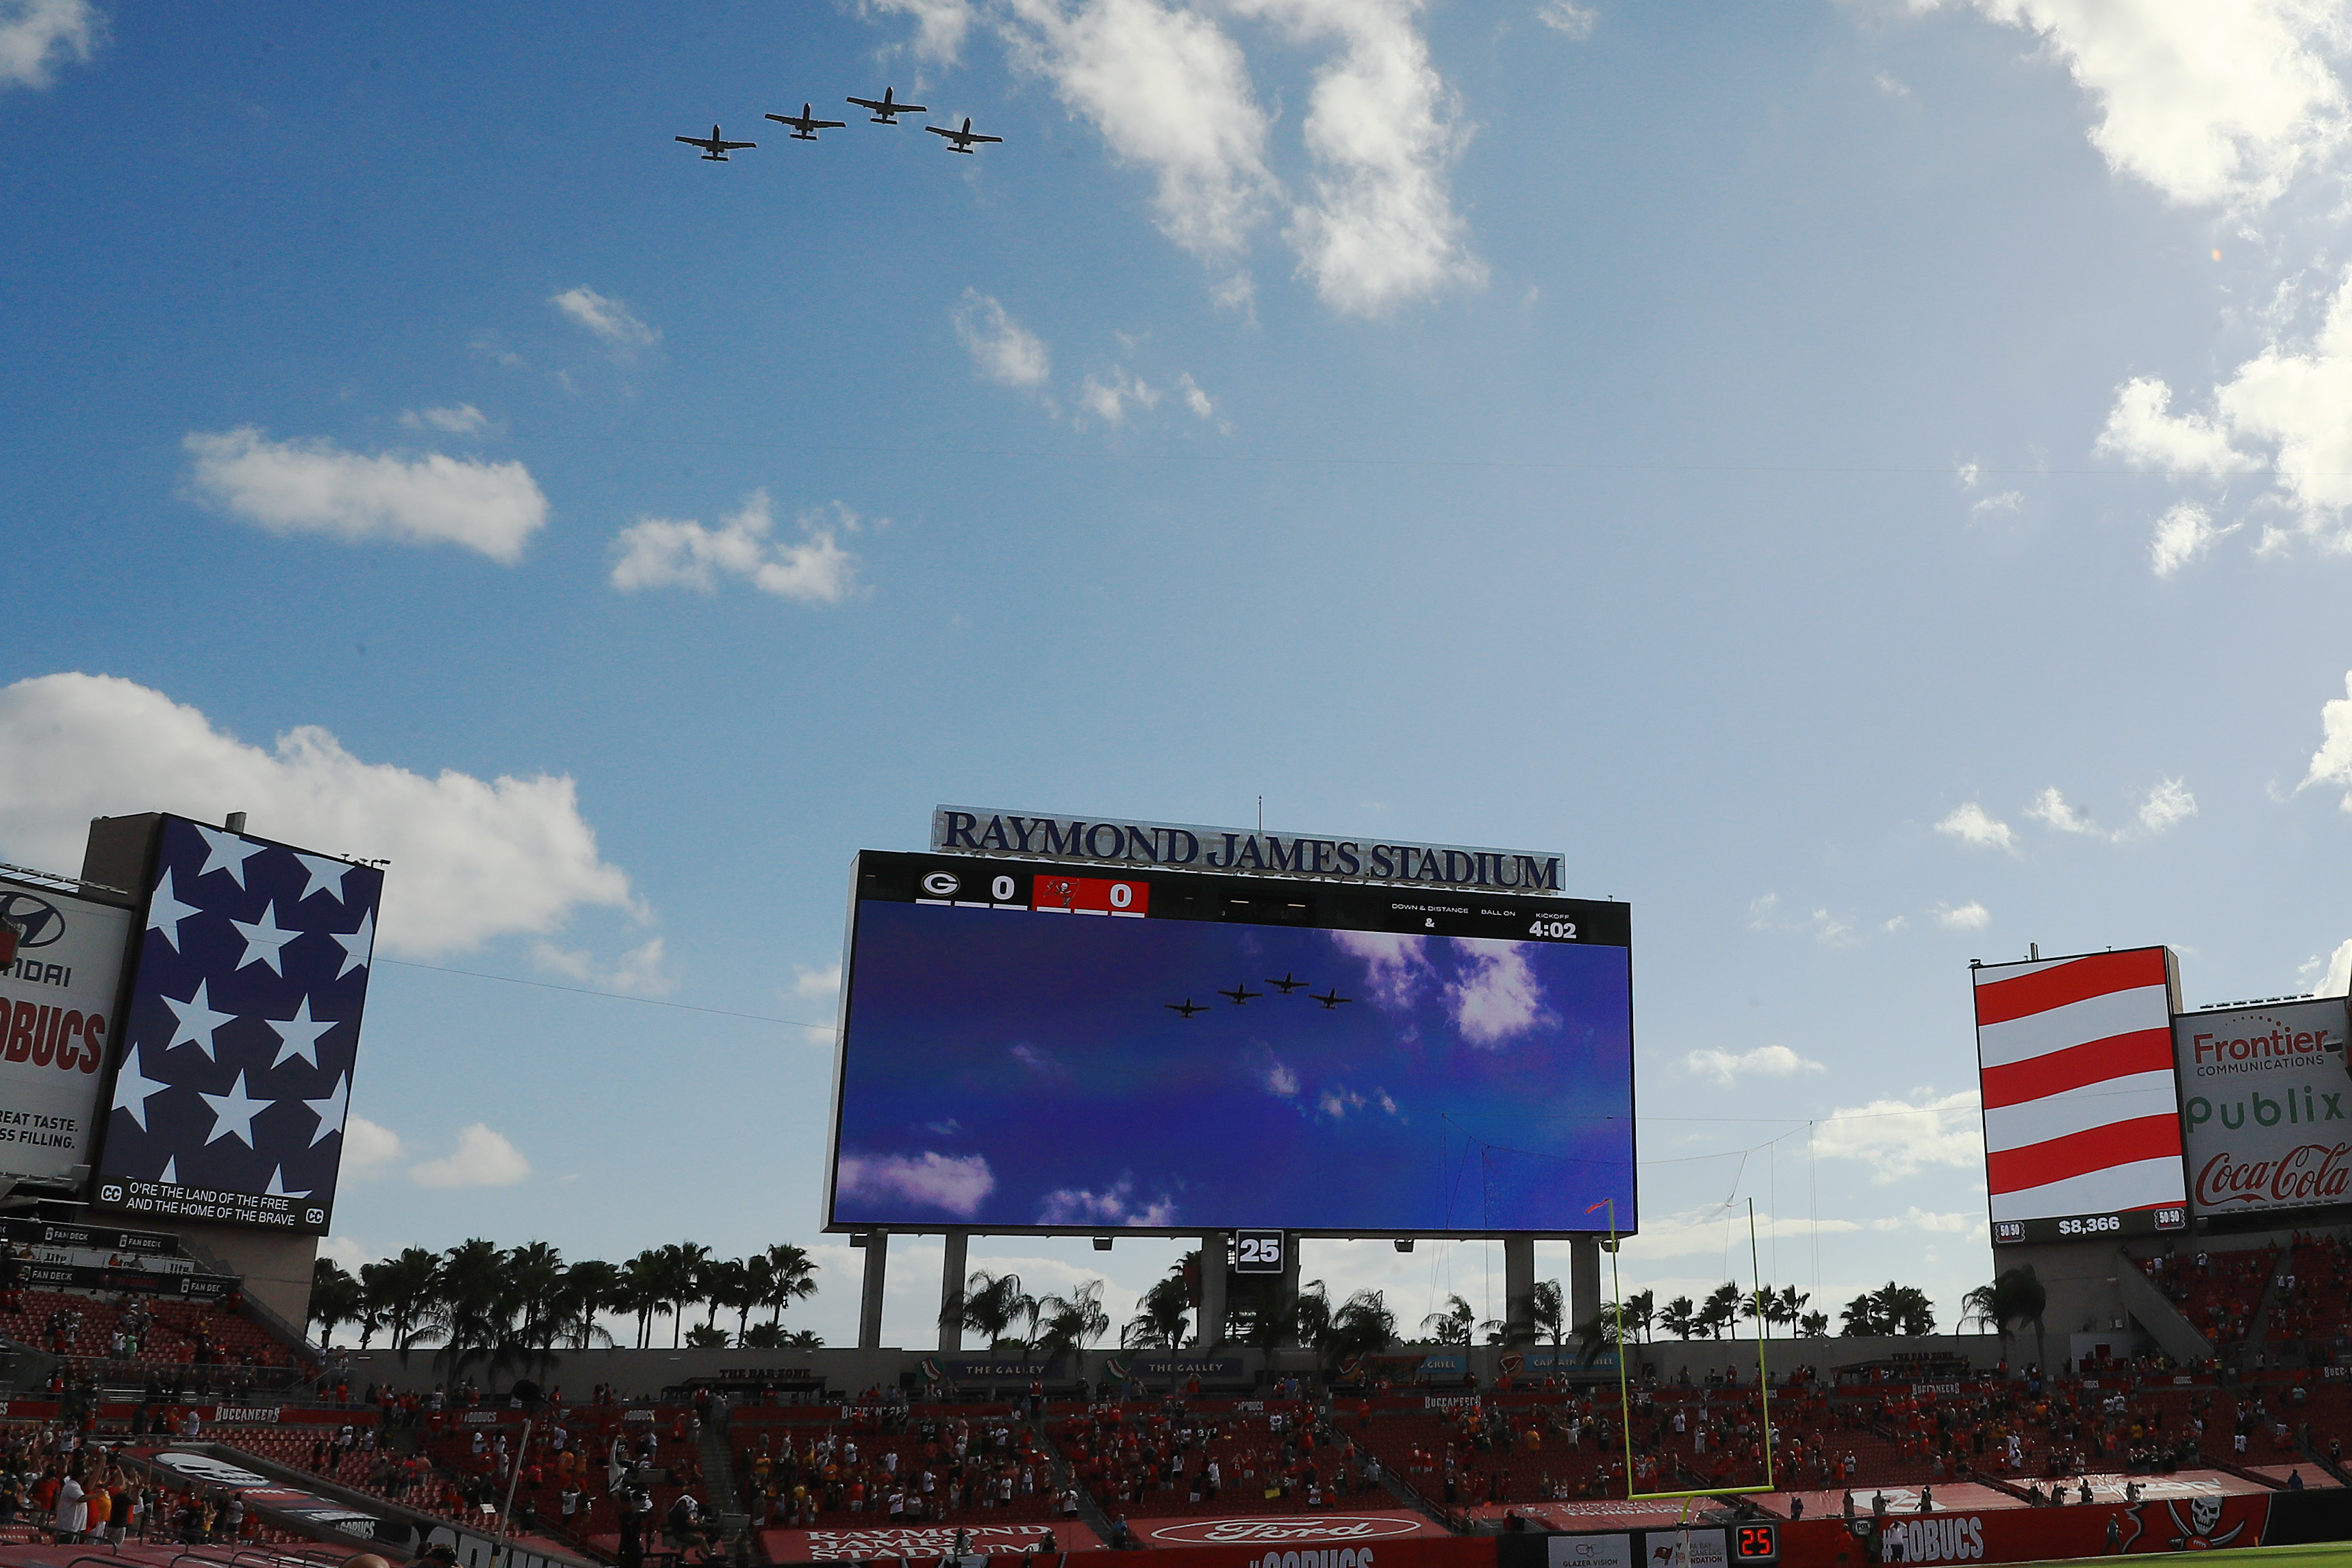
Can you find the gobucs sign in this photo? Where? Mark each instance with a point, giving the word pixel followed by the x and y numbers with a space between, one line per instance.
pixel 57 1027
pixel 2265 1105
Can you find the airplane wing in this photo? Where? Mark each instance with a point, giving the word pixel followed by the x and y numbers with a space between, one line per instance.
pixel 828 124
pixel 790 120
pixel 695 140
pixel 938 130
pixel 730 146
pixel 968 136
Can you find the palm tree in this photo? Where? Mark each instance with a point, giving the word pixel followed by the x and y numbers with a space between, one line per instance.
pixel 589 1288
pixel 335 1298
pixel 2015 1297
pixel 1720 1311
pixel 721 1282
pixel 989 1305
pixel 1814 1326
pixel 1362 1325
pixel 1789 1305
pixel 534 1273
pixel 1451 1326
pixel 1167 1308
pixel 1548 1311
pixel 1310 1313
pixel 1641 1313
pixel 638 1294
pixel 1602 1330
pixel 681 1265
pixel 1069 1322
pixel 401 1295
pixel 791 1278
pixel 479 1305
pixel 1679 1318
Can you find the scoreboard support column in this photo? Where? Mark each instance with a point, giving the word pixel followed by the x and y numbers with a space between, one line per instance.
pixel 869 1304
pixel 1583 1281
pixel 1213 1289
pixel 1519 1286
pixel 951 1290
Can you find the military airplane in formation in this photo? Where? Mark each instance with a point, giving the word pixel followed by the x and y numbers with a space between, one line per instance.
pixel 1287 985
pixel 960 141
pixel 887 109
pixel 804 126
pixel 1183 1009
pixel 715 149
pixel 1332 998
pixel 1241 994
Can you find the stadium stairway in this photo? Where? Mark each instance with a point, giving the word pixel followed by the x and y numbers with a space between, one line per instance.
pixel 1090 1512
pixel 718 1475
pixel 2146 1305
pixel 1390 1481
pixel 2260 1327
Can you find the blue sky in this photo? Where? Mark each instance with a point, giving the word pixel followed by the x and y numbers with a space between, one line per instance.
pixel 1864 480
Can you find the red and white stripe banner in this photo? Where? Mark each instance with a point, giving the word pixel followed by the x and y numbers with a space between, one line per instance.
pixel 2081 1111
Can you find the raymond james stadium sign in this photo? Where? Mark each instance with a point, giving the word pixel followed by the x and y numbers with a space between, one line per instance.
pixel 972 831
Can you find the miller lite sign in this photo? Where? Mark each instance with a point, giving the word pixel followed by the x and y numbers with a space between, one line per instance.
pixel 2265 1106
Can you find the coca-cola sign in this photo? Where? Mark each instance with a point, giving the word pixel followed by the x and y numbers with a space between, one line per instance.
pixel 2266 1105
pixel 2308 1175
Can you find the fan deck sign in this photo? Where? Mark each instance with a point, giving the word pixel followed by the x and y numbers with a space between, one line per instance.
pixel 2267 1106
pixel 56 1029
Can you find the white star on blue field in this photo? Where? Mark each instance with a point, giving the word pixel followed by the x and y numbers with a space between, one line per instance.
pixel 1867 483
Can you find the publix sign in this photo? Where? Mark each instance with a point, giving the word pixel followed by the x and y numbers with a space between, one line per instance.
pixel 2266 1105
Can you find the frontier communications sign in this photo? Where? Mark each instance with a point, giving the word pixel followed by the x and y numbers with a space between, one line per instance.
pixel 973 830
pixel 2266 1105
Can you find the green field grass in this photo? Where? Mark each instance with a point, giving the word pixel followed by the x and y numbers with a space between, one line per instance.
pixel 2319 1554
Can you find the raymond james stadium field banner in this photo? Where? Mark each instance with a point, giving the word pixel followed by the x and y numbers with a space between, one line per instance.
pixel 2267 1105
pixel 57 1024
pixel 1030 1046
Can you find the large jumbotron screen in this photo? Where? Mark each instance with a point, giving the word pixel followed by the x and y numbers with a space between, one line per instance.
pixel 1040 1048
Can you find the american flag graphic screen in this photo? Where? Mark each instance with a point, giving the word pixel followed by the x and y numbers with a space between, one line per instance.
pixel 2081 1114
pixel 234 1073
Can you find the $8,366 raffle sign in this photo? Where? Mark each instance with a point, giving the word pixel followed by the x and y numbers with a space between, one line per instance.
pixel 2266 1105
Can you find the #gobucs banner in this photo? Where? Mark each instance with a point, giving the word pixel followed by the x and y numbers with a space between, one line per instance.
pixel 57 1019
pixel 243 1026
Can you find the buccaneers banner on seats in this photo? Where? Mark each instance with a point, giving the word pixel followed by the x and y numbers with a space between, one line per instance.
pixel 919 1541
pixel 2026 1535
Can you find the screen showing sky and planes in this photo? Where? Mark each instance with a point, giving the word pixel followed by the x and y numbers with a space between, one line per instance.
pixel 1028 1046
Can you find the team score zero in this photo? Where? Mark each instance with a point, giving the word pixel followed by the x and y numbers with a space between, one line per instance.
pixel 2092 1224
pixel 1558 930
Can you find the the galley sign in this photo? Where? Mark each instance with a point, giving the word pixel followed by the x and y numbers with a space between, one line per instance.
pixel 2266 1105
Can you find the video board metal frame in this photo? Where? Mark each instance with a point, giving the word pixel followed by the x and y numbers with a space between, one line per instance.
pixel 982 881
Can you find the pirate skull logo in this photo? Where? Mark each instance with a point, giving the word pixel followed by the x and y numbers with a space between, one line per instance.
pixel 2197 1532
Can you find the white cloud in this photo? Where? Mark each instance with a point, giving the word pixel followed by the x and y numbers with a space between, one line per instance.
pixel 1831 930
pixel 2008 501
pixel 1901 1138
pixel 1394 966
pixel 2296 400
pixel 2332 764
pixel 1708 1230
pixel 1109 400
pixel 817 983
pixel 956 1183
pixel 608 318
pixel 2168 804
pixel 470 860
pixel 1964 1222
pixel 1116 1206
pixel 2337 981
pixel 462 420
pixel 1969 475
pixel 2182 534
pixel 1973 825
pixel 1970 916
pixel 1167 89
pixel 482 1159
pixel 1001 349
pixel 367 1148
pixel 2210 104
pixel 1497 995
pixel 2141 430
pixel 1281 1081
pixel 37 36
pixel 313 486
pixel 1727 1068
pixel 941 25
pixel 1202 404
pixel 1892 86
pixel 664 553
pixel 1381 127
pixel 1567 16
pixel 2050 808
pixel 637 972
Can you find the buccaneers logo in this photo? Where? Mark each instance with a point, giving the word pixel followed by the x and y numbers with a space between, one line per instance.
pixel 2194 1532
